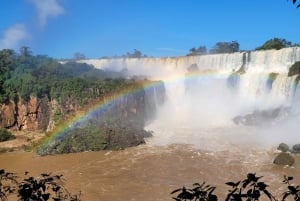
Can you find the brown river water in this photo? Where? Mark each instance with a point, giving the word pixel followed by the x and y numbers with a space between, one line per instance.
pixel 151 172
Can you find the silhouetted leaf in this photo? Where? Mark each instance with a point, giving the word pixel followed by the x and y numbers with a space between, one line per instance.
pixel 230 184
pixel 186 195
pixel 294 1
pixel 292 189
pixel 246 182
pixel 268 194
pixel 261 185
pixel 249 192
pixel 285 195
pixel 175 191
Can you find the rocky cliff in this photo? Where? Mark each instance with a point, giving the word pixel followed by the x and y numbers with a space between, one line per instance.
pixel 44 113
pixel 118 125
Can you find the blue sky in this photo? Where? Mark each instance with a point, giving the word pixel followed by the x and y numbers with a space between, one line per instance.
pixel 159 28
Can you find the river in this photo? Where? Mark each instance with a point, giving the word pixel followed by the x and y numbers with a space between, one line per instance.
pixel 151 172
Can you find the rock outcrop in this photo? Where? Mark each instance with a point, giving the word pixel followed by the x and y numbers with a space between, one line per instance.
pixel 116 124
pixel 29 115
pixel 284 159
pixel 260 117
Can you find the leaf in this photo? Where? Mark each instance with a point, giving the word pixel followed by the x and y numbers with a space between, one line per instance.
pixel 298 6
pixel 175 191
pixel 268 194
pixel 285 195
pixel 249 192
pixel 246 182
pixel 294 1
pixel 211 189
pixel 292 189
pixel 230 184
pixel 261 185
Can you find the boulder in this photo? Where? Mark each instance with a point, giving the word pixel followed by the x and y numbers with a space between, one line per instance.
pixel 284 159
pixel 261 117
pixel 283 147
pixel 296 148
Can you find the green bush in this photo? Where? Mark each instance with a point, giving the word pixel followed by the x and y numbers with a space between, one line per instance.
pixel 5 135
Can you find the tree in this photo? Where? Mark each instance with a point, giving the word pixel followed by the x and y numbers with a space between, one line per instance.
pixel 136 54
pixel 79 56
pixel 25 51
pixel 275 43
pixel 201 50
pixel 294 2
pixel 225 47
pixel 6 65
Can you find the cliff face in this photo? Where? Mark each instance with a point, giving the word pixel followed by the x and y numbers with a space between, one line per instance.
pixel 31 115
pixel 43 114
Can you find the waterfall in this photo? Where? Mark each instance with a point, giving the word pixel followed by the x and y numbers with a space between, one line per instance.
pixel 259 78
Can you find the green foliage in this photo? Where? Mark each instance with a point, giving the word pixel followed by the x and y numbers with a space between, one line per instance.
pixel 275 43
pixel 41 188
pixel 249 189
pixel 225 47
pixel 201 50
pixel 294 69
pixel 5 135
pixel 82 139
pixel 24 75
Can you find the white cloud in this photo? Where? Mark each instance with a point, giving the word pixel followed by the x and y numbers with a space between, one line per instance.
pixel 13 36
pixel 46 9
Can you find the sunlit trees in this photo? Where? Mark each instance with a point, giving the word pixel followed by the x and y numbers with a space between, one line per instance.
pixel 201 50
pixel 225 47
pixel 276 43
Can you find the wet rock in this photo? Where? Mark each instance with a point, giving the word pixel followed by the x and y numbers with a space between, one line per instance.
pixel 260 117
pixel 283 147
pixel 296 148
pixel 284 159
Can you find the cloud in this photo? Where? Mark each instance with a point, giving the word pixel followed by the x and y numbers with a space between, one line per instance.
pixel 47 9
pixel 13 36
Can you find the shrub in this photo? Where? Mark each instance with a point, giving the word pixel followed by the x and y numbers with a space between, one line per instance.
pixel 41 188
pixel 249 189
pixel 6 135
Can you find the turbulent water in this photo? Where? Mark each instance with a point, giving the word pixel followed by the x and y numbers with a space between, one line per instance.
pixel 194 135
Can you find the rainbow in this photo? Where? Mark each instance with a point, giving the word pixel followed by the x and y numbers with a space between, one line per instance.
pixel 106 103
pixel 97 109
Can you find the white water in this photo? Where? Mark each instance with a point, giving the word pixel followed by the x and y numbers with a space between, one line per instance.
pixel 201 114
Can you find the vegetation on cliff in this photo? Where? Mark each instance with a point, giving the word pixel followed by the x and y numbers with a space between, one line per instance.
pixel 6 135
pixel 277 44
pixel 43 92
pixel 24 74
pixel 294 69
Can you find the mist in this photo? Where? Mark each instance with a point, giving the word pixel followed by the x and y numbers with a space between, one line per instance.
pixel 209 110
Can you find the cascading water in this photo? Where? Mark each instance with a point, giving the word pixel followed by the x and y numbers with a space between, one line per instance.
pixel 202 104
